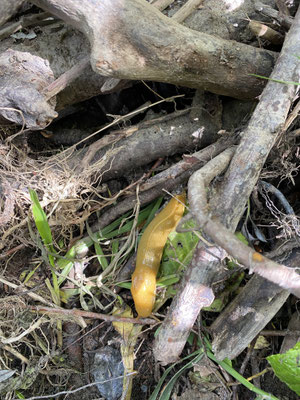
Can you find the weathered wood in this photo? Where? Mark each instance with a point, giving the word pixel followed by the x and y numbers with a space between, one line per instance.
pixel 131 39
pixel 23 77
pixel 8 9
pixel 249 313
pixel 241 177
pixel 142 146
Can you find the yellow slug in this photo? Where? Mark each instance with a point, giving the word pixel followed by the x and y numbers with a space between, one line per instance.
pixel 149 255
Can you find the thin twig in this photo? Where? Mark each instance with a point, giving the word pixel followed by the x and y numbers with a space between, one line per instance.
pixel 91 315
pixel 68 392
pixel 187 9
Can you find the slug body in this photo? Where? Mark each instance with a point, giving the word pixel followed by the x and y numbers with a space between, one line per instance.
pixel 149 255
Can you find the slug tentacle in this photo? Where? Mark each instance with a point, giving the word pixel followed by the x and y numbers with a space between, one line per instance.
pixel 149 255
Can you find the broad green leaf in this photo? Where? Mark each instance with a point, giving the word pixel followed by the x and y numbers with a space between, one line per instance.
pixel 179 250
pixel 287 367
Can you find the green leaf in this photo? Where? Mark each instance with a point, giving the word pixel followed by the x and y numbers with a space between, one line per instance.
pixel 54 291
pixel 125 285
pixel 179 250
pixel 43 227
pixel 66 264
pixel 167 390
pixel 287 367
pixel 100 256
pixel 40 220
pixel 98 249
pixel 167 280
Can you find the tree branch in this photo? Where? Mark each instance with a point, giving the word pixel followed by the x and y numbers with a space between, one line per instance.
pixel 131 39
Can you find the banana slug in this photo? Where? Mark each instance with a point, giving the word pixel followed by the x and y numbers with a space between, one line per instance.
pixel 149 255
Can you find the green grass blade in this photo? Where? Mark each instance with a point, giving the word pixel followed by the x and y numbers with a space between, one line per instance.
pixel 153 212
pixel 276 80
pixel 40 220
pixel 240 378
pixel 98 249
pixel 167 390
pixel 168 370
pixel 55 298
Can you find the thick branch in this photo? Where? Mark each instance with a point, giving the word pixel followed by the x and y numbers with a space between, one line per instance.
pixel 145 145
pixel 245 168
pixel 192 294
pixel 131 39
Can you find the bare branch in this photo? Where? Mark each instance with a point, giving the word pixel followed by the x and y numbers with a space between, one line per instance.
pixel 131 39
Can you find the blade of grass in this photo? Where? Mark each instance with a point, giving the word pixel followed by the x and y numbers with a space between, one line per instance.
pixel 43 227
pixel 167 390
pixel 168 370
pixel 276 80
pixel 98 249
pixel 236 375
pixel 153 212
pixel 114 248
pixel 41 223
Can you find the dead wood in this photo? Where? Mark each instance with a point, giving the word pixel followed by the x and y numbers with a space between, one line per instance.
pixel 194 297
pixel 187 9
pixel 162 4
pixel 265 32
pixel 63 48
pixel 143 146
pixel 161 137
pixel 259 137
pixel 23 78
pixel 8 8
pixel 249 313
pixel 282 19
pixel 167 180
pixel 147 45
